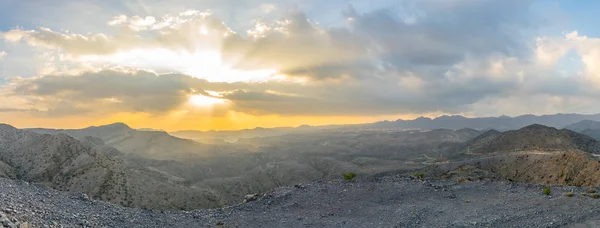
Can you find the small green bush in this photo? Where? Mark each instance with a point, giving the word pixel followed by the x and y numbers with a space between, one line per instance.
pixel 547 191
pixel 420 176
pixel 569 194
pixel 349 176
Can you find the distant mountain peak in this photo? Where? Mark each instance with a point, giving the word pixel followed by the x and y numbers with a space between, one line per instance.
pixel 117 125
pixel 450 117
pixel 584 125
pixel 149 129
pixel 6 126
pixel 537 127
pixel 120 124
pixel 588 123
pixel 423 118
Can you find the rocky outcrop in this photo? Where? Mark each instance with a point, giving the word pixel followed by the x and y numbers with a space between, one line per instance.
pixel 533 137
pixel 535 154
pixel 64 163
pixel 574 168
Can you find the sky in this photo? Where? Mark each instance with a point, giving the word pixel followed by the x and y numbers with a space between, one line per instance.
pixel 237 64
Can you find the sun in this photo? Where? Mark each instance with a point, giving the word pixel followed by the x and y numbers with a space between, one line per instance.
pixel 205 64
pixel 205 101
pixel 209 65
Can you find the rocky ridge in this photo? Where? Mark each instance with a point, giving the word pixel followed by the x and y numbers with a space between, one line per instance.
pixel 157 145
pixel 532 137
pixel 64 163
pixel 534 154
pixel 586 127
pixel 382 202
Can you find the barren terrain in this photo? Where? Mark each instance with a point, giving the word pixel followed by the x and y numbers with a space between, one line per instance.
pixel 381 202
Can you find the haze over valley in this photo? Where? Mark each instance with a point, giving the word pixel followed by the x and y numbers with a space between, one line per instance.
pixel 155 170
pixel 118 164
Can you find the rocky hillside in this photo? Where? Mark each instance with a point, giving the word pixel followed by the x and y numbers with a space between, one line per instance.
pixel 58 160
pixel 533 137
pixel 545 156
pixel 90 166
pixel 150 144
pixel 586 127
pixel 387 202
pixel 534 154
pixel 64 163
pixel 573 168
pixel 134 179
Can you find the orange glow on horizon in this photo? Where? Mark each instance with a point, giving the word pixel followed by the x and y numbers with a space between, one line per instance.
pixel 176 121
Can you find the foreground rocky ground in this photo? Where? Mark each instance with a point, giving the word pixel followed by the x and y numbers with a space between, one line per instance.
pixel 384 202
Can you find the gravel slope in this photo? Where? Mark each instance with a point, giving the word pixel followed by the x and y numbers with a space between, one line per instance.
pixel 386 202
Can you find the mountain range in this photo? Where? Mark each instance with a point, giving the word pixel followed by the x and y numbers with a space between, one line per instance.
pixel 149 144
pixel 155 170
pixel 501 123
pixel 112 163
pixel 64 163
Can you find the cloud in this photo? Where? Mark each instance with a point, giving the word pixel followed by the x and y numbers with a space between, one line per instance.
pixel 117 91
pixel 552 51
pixel 182 32
pixel 297 46
pixel 71 43
pixel 118 20
pixel 142 91
pixel 13 110
pixel 449 32
pixel 437 57
pixel 2 55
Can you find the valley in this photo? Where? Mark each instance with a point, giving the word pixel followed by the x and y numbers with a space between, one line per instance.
pixel 299 113
pixel 219 178
pixel 155 171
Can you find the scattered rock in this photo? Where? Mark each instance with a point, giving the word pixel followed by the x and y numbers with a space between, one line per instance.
pixel 84 197
pixel 11 222
pixel 251 197
pixel 377 204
